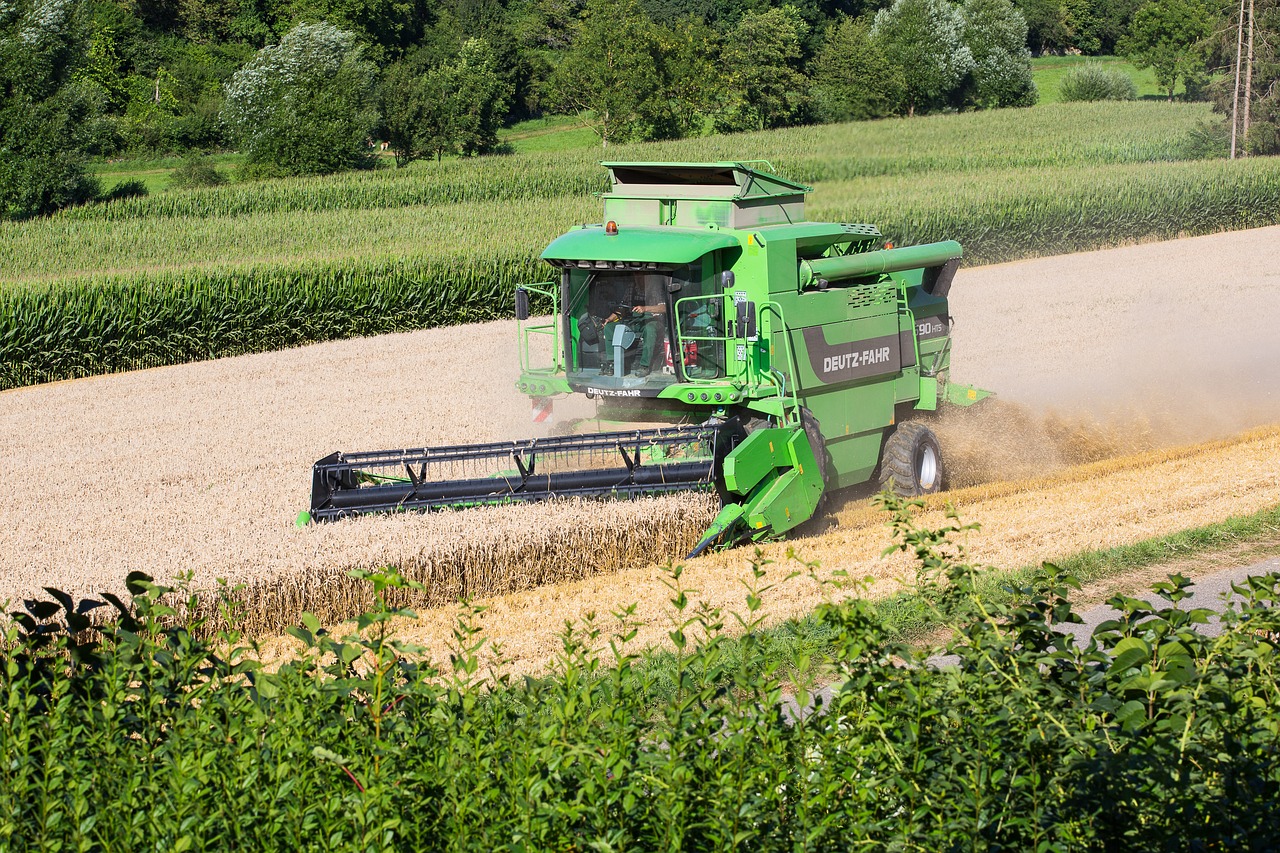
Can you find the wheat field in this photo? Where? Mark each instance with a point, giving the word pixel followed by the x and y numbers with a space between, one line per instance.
pixel 201 468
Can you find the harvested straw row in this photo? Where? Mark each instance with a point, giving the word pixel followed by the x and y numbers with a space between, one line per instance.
pixel 1123 501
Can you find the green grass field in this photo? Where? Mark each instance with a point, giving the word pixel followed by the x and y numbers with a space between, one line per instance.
pixel 1048 72
pixel 550 133
pixel 188 274
pixel 155 172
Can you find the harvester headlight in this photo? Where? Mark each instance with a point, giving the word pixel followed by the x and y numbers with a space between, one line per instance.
pixel 719 396
pixel 692 396
pixel 705 396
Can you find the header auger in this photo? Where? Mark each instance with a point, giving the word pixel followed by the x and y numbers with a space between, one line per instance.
pixel 787 359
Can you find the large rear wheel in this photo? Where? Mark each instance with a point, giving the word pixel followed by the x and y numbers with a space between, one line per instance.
pixel 912 461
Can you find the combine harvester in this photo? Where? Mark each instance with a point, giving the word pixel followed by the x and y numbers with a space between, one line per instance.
pixel 785 358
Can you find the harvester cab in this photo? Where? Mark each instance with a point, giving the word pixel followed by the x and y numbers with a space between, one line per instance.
pixel 784 358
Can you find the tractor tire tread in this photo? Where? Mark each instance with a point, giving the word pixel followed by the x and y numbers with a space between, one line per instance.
pixel 897 462
pixel 813 431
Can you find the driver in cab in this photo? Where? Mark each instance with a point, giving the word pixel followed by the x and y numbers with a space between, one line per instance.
pixel 643 310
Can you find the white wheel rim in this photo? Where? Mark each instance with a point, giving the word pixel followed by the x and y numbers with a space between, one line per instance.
pixel 928 468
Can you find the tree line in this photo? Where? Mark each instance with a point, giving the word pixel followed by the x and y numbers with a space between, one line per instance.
pixel 303 87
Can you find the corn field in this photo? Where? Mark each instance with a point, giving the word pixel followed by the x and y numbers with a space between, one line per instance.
pixel 1053 135
pixel 88 328
pixel 183 276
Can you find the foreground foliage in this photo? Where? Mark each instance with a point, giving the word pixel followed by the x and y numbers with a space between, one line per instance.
pixel 1148 735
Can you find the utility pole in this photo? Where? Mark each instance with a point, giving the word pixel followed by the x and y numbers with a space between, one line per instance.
pixel 1235 92
pixel 1248 83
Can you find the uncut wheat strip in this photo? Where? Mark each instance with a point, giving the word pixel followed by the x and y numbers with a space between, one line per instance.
pixel 1116 508
pixel 470 554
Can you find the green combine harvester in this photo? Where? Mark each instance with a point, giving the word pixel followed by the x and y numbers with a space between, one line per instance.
pixel 751 352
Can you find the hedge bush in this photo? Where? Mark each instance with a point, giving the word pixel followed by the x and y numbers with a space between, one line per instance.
pixel 1149 735
pixel 1092 82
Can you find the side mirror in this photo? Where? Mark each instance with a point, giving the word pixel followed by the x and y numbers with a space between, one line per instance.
pixel 727 279
pixel 747 320
pixel 522 304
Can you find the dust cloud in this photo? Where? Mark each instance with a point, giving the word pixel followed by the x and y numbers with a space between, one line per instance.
pixel 1113 352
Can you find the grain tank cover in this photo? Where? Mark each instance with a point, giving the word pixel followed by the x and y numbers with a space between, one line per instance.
pixel 693 195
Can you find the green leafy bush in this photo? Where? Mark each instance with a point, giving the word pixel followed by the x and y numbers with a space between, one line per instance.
pixel 1092 82
pixel 125 189
pixel 1207 139
pixel 1145 735
pixel 196 171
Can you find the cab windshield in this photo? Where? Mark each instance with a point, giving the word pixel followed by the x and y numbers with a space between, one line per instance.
pixel 620 333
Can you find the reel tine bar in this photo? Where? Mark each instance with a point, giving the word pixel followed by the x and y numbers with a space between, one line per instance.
pixel 659 461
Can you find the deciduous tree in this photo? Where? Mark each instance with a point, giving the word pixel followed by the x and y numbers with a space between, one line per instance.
pixel 607 76
pixel 1169 37
pixel 925 39
pixel 761 59
pixel 996 34
pixel 304 106
pixel 46 108
pixel 852 78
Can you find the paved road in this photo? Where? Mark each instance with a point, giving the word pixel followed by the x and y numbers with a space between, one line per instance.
pixel 1208 592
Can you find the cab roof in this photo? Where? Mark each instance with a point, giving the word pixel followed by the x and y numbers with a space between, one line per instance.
pixel 658 244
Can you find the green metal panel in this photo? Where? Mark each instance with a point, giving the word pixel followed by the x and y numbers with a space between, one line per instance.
pixel 793 496
pixel 964 395
pixel 855 458
pixel 814 308
pixel 928 386
pixel 751 461
pixel 845 412
pixel 848 351
pixel 638 243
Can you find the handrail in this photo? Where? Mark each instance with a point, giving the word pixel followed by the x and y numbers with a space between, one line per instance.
pixel 905 306
pixel 791 359
pixel 525 329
